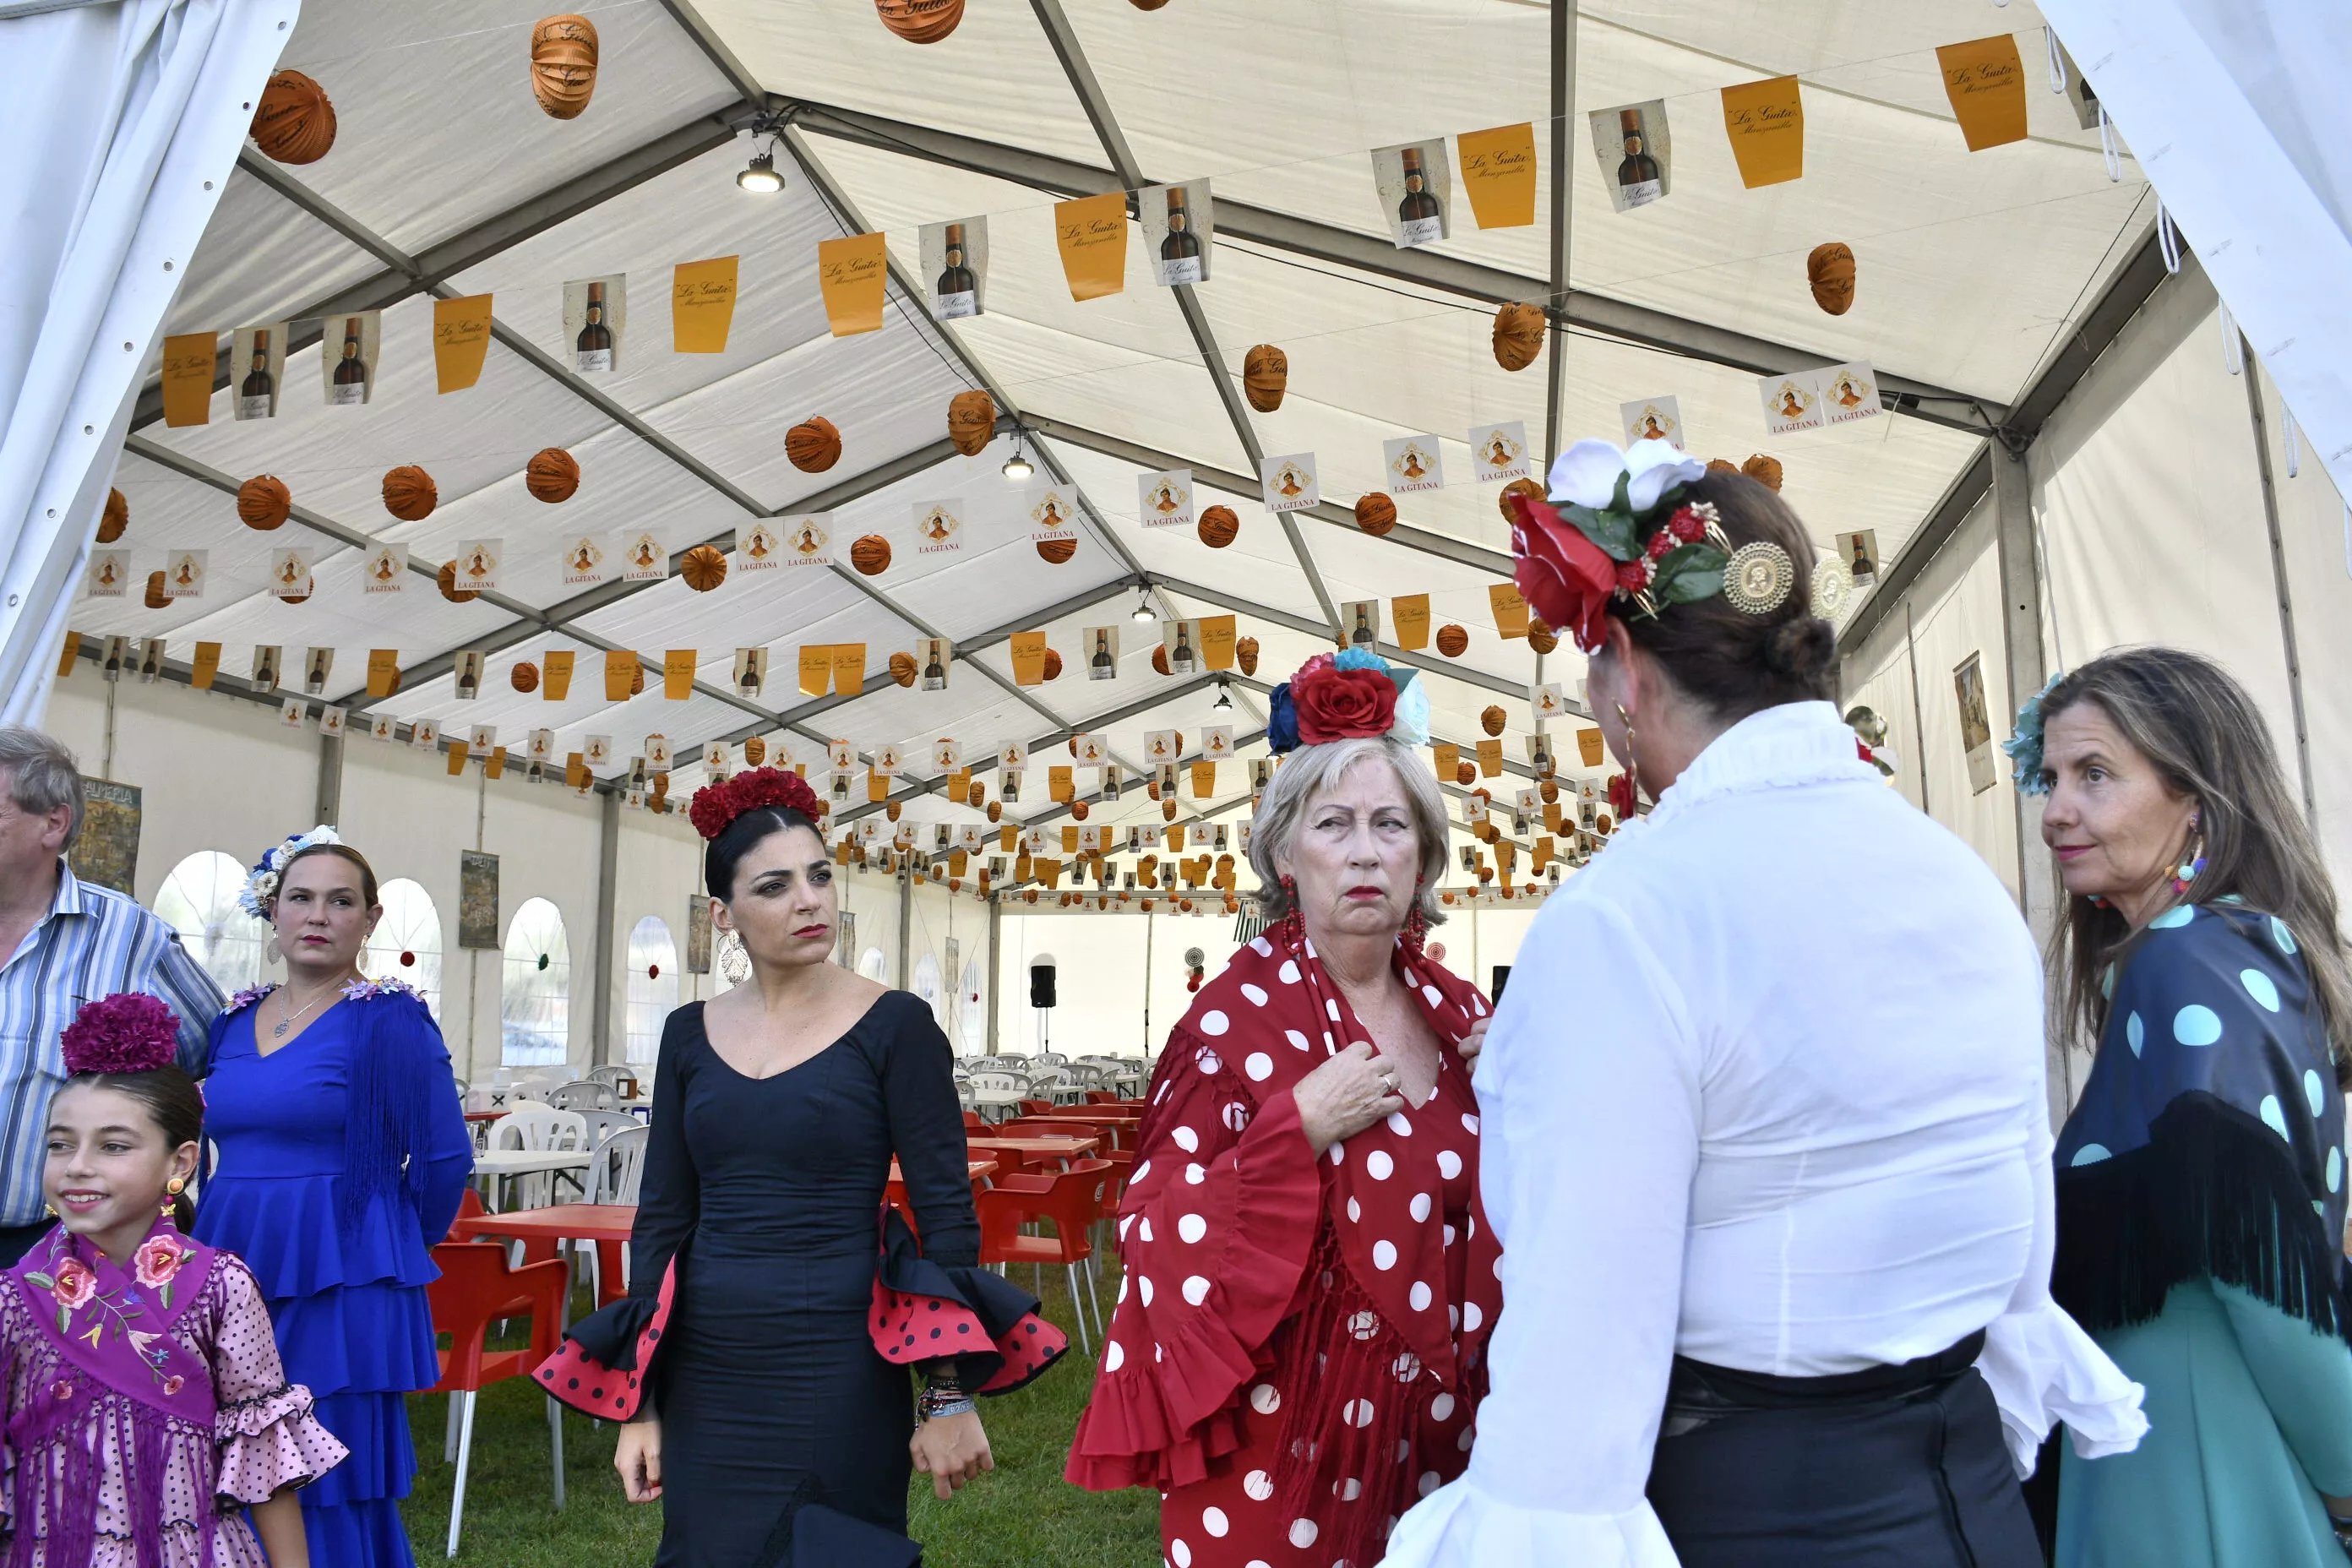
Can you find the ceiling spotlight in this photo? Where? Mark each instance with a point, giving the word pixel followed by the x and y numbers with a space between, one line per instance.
pixel 1142 611
pixel 762 177
pixel 1017 468
pixel 1224 702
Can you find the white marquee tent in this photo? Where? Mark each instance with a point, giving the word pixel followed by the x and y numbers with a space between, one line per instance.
pixel 2075 452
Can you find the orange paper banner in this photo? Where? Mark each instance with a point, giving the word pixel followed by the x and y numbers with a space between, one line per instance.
pixel 1069 840
pixel 69 653
pixel 206 666
pixel 188 360
pixel 575 770
pixel 877 788
pixel 702 305
pixel 1510 610
pixel 461 341
pixel 677 674
pixel 457 760
pixel 497 764
pixel 1766 122
pixel 383 672
pixel 620 673
pixel 852 272
pixel 1205 780
pixel 1092 234
pixel 1986 82
pixel 1490 759
pixel 1059 787
pixel 1028 650
pixel 848 668
pixel 1588 747
pixel 1175 836
pixel 1217 641
pixel 816 669
pixel 1446 757
pixel 1499 175
pixel 1409 614
pixel 555 675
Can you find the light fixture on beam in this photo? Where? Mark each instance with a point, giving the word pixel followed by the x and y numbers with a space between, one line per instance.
pixel 1017 467
pixel 1224 702
pixel 1142 611
pixel 761 178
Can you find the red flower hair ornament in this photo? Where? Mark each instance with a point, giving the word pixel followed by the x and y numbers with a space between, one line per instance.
pixel 717 806
pixel 127 1032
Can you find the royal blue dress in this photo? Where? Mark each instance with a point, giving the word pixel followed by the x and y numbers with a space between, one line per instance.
pixel 341 1158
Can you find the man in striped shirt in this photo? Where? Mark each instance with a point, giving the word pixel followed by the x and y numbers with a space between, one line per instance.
pixel 68 942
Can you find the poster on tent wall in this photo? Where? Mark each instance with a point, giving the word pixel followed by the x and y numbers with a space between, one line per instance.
pixel 595 320
pixel 1053 511
pixel 1654 419
pixel 386 569
pixel 1976 721
pixel 1416 191
pixel 1415 463
pixel 349 357
pixel 759 547
pixel 289 573
pixel 184 573
pixel 1500 451
pixel 808 539
pixel 646 559
pixel 1165 499
pixel 697 935
pixel 1849 392
pixel 1178 226
pixel 256 370
pixel 584 558
pixel 477 563
pixel 107 852
pixel 109 571
pixel 1288 483
pixel 940 525
pixel 954 257
pixel 477 900
pixel 1635 152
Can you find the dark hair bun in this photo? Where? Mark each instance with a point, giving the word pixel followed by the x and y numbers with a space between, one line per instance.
pixel 1800 649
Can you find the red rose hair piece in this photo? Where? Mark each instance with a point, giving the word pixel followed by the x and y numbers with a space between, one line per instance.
pixel 717 806
pixel 128 1032
pixel 1334 704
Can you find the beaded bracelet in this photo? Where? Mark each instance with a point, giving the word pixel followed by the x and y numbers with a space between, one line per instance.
pixel 940 1402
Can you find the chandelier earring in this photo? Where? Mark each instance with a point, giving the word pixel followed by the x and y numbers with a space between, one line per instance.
pixel 734 958
pixel 1294 928
pixel 2192 860
pixel 271 953
pixel 1629 799
pixel 1416 920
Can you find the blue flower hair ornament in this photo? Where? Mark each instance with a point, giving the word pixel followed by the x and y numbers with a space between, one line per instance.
pixel 2024 747
pixel 259 896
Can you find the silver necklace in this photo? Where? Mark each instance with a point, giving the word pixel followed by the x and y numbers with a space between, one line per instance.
pixel 286 1019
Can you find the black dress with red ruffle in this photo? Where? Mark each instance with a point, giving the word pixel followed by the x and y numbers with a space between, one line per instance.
pixel 769 1367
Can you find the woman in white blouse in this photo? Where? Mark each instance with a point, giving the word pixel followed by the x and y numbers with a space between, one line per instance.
pixel 1766 1140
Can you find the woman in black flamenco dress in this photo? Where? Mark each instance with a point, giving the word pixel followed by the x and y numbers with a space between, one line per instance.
pixel 779 1345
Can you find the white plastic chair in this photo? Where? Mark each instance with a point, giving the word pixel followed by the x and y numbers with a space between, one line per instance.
pixel 614 1178
pixel 538 1127
pixel 585 1095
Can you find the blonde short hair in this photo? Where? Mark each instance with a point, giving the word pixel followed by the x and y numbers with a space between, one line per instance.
pixel 1309 772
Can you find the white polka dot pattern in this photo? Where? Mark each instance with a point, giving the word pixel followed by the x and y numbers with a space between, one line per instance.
pixel 1377 1164
pixel 1265 1399
pixel 1256 994
pixel 1179 1553
pixel 1384 1255
pixel 1259 1065
pixel 1192 1228
pixel 1184 1138
pixel 1419 1295
pixel 1289 972
pixel 1259 1485
pixel 1213 1022
pixel 1212 1519
pixel 1114 1357
pixel 1196 1288
pixel 1303 1533
pixel 1419 1207
pixel 1449 1163
pixel 1399 1125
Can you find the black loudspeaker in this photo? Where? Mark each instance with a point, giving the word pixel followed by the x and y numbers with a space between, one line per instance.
pixel 1041 986
pixel 1502 978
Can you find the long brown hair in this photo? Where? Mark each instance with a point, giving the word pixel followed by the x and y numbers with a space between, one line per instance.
pixel 2202 733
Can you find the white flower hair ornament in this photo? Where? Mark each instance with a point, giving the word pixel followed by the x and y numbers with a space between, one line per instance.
pixel 258 897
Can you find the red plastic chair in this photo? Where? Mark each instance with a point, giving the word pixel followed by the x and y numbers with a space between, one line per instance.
pixel 475 1289
pixel 1035 1107
pixel 975 1122
pixel 1072 1200
pixel 469 1204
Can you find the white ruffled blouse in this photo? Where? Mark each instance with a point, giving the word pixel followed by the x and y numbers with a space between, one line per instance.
pixel 1765 1091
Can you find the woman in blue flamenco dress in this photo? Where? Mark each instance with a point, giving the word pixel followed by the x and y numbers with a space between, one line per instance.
pixel 2202 1178
pixel 342 1152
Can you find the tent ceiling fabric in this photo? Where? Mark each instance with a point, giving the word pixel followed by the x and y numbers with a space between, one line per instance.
pixel 1972 266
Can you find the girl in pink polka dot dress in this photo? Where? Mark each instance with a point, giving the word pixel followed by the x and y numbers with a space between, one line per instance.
pixel 147 1412
pixel 1298 1349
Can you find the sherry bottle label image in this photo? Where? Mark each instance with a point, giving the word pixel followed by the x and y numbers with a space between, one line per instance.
pixel 1639 180
pixel 350 385
pixel 592 353
pixel 958 289
pixel 256 395
pixel 1419 219
pixel 1179 253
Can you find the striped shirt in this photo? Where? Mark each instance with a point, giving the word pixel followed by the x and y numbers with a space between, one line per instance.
pixel 93 942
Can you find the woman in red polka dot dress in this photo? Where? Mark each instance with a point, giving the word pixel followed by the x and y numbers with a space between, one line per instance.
pixel 1297 1352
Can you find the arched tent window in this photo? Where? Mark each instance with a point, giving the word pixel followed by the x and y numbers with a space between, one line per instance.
pixel 971 1021
pixel 931 987
pixel 653 988
pixel 874 967
pixel 536 999
pixel 198 900
pixel 406 946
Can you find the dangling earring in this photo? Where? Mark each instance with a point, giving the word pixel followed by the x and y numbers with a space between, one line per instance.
pixel 2192 861
pixel 1293 928
pixel 734 959
pixel 1631 802
pixel 172 1189
pixel 1416 923
pixel 271 953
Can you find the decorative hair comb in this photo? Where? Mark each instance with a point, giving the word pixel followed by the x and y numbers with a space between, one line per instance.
pixel 127 1032
pixel 716 805
pixel 259 896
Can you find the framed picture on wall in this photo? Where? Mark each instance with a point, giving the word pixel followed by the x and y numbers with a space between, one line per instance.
pixel 477 900
pixel 107 852
pixel 1976 722
pixel 697 935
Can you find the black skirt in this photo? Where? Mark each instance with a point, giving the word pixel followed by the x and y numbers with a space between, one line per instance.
pixel 1893 1466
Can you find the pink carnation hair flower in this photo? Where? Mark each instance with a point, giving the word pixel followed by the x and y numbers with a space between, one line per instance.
pixel 128 1032
pixel 715 806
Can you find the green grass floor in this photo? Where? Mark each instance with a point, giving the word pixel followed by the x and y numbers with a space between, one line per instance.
pixel 1023 1515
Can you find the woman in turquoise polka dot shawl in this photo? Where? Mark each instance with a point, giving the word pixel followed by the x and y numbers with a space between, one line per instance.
pixel 2202 1178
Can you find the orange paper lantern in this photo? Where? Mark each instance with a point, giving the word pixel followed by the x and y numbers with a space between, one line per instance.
pixel 295 123
pixel 1219 527
pixel 449 589
pixel 871 555
pixel 1266 376
pixel 1077 811
pixel 1375 514
pixel 1527 487
pixel 1056 552
pixel 1053 665
pixel 263 502
pixel 902 669
pixel 563 64
pixel 1829 270
pixel 524 677
pixel 115 519
pixel 755 752
pixel 920 21
pixel 1245 655
pixel 1542 637
pixel 409 493
pixel 1764 470
pixel 554 475
pixel 156 598
pixel 813 445
pixel 1518 335
pixel 972 421
pixel 704 568
pixel 1452 641
pixel 1160 658
pixel 1494 719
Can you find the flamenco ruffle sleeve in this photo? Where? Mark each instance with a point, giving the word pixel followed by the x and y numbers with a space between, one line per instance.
pixel 1192 1329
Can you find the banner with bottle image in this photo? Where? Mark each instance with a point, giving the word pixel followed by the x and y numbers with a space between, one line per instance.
pixel 347 360
pixel 1635 152
pixel 1416 191
pixel 1101 645
pixel 596 321
pixel 1181 639
pixel 1179 226
pixel 955 259
pixel 256 370
pixel 934 658
pixel 1361 619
